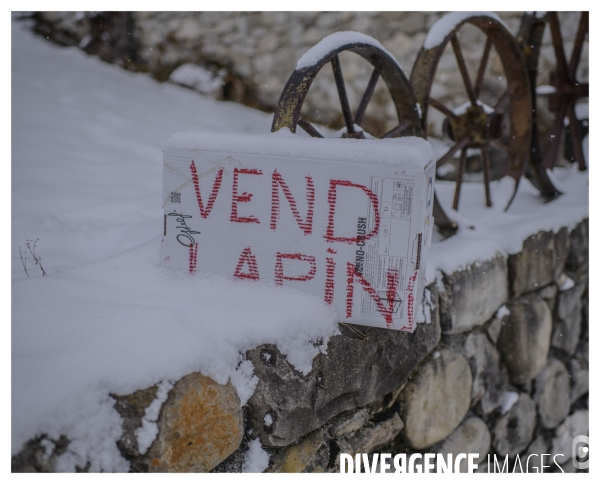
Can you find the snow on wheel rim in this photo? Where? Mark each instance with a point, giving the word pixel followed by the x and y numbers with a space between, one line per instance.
pixel 449 22
pixel 335 42
pixel 385 66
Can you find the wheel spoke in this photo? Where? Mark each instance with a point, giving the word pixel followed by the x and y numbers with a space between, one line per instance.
pixel 455 147
pixel 576 137
pixel 459 176
pixel 463 70
pixel 397 130
pixel 580 37
pixel 502 147
pixel 485 155
pixel 309 128
pixel 443 109
pixel 505 97
pixel 557 42
pixel 555 135
pixel 360 112
pixel 483 65
pixel 341 87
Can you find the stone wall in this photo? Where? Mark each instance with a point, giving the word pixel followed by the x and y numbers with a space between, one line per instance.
pixel 501 368
pixel 250 55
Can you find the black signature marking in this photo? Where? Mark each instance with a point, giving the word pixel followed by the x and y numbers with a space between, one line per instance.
pixel 186 232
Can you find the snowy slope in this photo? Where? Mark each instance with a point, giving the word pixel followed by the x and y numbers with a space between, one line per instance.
pixel 87 180
pixel 87 150
pixel 87 141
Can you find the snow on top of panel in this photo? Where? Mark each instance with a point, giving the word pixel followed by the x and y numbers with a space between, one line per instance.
pixel 409 152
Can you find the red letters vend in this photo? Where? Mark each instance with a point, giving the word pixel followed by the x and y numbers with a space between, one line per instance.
pixel 306 224
pixel 243 198
pixel 332 196
pixel 204 213
pixel 247 267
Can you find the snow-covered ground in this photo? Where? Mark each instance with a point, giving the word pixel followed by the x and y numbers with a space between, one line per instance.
pixel 87 181
pixel 87 140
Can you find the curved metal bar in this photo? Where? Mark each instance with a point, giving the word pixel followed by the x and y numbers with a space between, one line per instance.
pixel 292 97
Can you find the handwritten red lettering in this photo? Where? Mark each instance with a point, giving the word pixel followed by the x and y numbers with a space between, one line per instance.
pixel 386 310
pixel 193 257
pixel 306 224
pixel 243 198
pixel 330 280
pixel 280 277
pixel 350 289
pixel 410 304
pixel 247 258
pixel 332 196
pixel 205 212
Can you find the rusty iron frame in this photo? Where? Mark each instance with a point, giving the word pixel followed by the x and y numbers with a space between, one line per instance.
pixel 287 112
pixel 507 128
pixel 568 90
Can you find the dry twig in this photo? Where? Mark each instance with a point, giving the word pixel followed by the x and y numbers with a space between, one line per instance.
pixel 38 260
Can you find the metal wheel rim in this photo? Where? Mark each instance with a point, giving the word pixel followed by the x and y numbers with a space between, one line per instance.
pixel 287 112
pixel 517 96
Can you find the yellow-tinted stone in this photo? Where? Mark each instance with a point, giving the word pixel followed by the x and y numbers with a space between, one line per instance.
pixel 200 425
pixel 297 457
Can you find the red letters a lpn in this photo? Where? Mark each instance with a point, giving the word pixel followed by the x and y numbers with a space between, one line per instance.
pixel 386 310
pixel 280 276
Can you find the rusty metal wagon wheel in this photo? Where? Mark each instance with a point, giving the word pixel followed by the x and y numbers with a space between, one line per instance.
pixel 497 126
pixel 562 90
pixel 288 110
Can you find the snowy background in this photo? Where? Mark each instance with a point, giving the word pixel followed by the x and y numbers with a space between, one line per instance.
pixel 87 141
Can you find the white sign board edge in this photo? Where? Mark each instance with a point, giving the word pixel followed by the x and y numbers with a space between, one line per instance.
pixel 304 223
